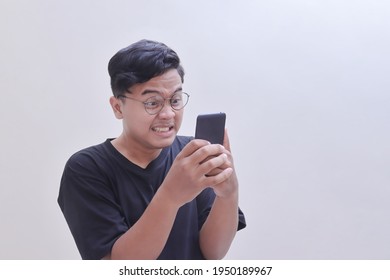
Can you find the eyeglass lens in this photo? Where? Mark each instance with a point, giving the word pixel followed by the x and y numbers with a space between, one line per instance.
pixel 154 104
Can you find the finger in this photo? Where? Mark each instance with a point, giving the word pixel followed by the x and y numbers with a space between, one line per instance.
pixel 206 152
pixel 207 166
pixel 220 168
pixel 192 147
pixel 215 171
pixel 217 179
pixel 213 156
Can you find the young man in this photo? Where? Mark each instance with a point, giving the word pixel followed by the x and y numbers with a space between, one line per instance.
pixel 150 194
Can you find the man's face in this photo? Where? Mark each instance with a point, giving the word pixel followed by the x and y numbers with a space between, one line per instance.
pixel 145 131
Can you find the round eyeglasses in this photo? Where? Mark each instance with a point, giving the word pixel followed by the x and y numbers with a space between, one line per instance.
pixel 153 105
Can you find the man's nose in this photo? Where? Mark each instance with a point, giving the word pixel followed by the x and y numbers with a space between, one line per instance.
pixel 167 111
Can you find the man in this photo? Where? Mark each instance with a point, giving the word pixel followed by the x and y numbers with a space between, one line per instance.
pixel 150 194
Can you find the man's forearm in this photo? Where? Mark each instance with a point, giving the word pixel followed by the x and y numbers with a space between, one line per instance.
pixel 220 227
pixel 148 236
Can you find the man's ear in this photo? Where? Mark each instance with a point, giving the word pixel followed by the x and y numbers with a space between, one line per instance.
pixel 116 107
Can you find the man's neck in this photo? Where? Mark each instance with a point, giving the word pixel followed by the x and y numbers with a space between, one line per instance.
pixel 136 154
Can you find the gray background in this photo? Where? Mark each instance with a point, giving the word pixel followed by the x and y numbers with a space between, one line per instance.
pixel 305 85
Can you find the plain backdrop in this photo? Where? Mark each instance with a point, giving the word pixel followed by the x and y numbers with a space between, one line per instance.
pixel 305 86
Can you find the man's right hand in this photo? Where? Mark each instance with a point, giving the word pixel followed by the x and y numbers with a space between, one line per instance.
pixel 194 169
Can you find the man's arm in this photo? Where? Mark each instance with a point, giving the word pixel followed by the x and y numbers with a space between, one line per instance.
pixel 219 229
pixel 147 237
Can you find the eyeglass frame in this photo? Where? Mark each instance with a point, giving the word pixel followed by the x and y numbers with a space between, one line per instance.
pixel 161 105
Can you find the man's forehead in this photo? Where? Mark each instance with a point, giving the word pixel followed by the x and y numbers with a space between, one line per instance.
pixel 169 81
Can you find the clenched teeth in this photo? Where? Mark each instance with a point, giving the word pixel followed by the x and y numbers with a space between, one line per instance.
pixel 161 129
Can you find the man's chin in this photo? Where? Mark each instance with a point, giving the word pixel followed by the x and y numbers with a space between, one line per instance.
pixel 164 142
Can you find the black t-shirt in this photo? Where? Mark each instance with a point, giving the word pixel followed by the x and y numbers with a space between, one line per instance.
pixel 102 194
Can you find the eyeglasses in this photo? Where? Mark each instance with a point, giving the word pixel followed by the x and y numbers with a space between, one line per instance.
pixel 154 105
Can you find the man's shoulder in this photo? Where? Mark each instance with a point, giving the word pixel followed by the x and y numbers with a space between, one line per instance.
pixel 88 154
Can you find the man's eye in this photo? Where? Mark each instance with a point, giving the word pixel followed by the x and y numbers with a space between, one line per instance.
pixel 176 100
pixel 152 103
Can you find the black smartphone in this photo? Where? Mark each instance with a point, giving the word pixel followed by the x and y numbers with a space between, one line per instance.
pixel 211 127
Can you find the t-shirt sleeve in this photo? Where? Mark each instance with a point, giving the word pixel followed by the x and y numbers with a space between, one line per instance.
pixel 90 208
pixel 205 201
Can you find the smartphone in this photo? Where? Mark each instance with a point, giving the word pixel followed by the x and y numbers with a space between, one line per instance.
pixel 211 127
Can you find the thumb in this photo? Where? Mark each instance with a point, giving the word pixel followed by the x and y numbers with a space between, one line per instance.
pixel 226 142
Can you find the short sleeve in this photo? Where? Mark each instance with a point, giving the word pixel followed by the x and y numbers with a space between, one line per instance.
pixel 90 208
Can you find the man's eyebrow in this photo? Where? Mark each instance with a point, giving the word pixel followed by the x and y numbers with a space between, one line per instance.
pixel 178 89
pixel 153 91
pixel 148 91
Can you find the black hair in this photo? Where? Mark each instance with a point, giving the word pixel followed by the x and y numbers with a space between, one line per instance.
pixel 141 62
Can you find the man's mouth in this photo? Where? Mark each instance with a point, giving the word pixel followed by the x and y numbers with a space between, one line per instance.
pixel 162 128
